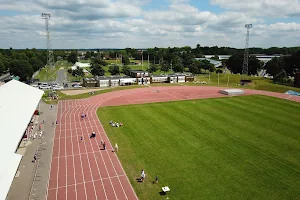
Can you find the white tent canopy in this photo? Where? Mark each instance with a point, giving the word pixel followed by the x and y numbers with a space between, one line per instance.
pixel 18 101
pixel 80 65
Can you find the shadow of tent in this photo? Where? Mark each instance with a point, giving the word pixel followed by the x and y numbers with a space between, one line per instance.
pixel 162 193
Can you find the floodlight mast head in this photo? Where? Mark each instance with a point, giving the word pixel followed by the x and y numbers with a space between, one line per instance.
pixel 45 15
pixel 248 26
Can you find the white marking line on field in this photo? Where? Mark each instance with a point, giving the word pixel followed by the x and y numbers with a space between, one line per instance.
pixel 75 136
pixel 185 97
pixel 78 154
pixel 172 95
pixel 85 182
pixel 76 122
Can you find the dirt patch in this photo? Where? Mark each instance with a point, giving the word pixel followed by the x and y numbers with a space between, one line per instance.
pixel 75 92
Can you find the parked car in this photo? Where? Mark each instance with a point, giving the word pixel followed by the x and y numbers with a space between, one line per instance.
pixel 77 86
pixel 44 87
pixel 35 86
pixel 57 88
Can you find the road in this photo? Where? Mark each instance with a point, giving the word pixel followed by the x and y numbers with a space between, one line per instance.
pixel 4 76
pixel 61 76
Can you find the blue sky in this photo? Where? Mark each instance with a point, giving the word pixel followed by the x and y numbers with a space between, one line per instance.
pixel 149 23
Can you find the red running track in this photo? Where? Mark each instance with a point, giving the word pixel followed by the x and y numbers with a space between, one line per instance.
pixel 80 170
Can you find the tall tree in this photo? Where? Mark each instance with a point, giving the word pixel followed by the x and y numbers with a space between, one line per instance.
pixel 78 72
pixel 21 68
pixel 152 68
pixel 98 70
pixel 195 67
pixel 274 66
pixel 2 68
pixel 235 63
pixel 114 70
pixel 98 61
pixel 72 58
pixel 126 70
pixel 36 63
pixel 254 65
pixel 87 55
pixel 165 67
pixel 125 60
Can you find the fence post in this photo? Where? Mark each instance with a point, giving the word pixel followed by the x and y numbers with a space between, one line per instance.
pixel 228 80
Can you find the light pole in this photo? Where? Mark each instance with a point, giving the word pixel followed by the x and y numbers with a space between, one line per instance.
pixel 246 54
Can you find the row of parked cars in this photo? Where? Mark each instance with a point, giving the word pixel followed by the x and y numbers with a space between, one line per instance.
pixel 54 86
pixel 48 86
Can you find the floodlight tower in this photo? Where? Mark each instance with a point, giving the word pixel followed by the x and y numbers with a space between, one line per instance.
pixel 246 54
pixel 50 59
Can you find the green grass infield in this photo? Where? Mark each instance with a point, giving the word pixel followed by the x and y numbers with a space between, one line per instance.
pixel 225 148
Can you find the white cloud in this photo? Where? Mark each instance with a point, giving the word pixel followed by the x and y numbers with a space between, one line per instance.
pixel 119 23
pixel 180 14
pixel 273 8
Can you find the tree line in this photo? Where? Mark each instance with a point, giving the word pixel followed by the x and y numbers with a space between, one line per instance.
pixel 22 63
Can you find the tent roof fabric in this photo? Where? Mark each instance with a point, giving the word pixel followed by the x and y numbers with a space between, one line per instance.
pixel 17 105
pixel 81 65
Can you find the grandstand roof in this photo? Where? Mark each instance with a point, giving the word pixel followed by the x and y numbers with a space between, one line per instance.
pixel 17 104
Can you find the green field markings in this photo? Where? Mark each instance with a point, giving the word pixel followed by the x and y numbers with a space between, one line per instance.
pixel 228 148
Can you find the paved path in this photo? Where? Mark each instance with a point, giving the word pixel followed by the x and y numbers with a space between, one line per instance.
pixel 4 76
pixel 81 170
pixel 61 76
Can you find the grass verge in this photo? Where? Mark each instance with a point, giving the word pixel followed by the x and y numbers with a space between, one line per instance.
pixel 63 96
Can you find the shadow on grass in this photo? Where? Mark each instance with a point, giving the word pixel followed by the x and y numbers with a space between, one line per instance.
pixel 162 193
pixel 139 180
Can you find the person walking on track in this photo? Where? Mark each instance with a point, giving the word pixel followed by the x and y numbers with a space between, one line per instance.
pixel 104 146
pixel 34 158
